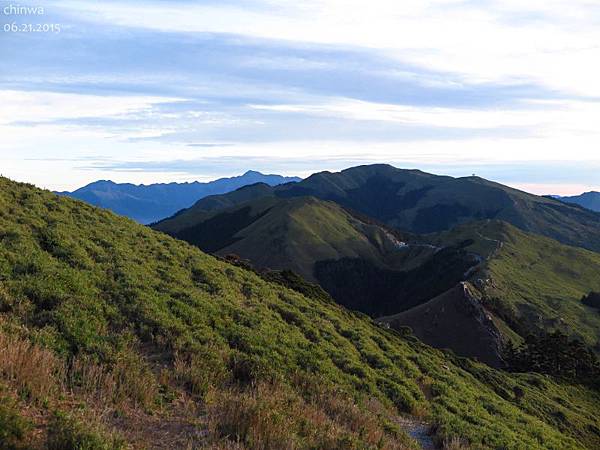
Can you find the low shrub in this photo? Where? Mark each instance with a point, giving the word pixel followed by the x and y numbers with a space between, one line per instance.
pixel 67 433
pixel 12 426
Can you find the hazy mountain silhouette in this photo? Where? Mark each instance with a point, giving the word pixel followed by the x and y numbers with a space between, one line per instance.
pixel 149 203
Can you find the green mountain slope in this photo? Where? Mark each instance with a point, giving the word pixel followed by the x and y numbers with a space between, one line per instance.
pixel 531 283
pixel 364 265
pixel 109 327
pixel 418 202
pixel 290 234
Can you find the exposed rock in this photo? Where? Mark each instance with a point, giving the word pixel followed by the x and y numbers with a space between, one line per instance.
pixel 455 320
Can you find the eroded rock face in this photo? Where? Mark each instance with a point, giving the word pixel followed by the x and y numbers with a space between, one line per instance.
pixel 456 320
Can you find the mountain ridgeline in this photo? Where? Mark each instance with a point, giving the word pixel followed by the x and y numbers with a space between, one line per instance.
pixel 149 203
pixel 418 202
pixel 589 200
pixel 363 264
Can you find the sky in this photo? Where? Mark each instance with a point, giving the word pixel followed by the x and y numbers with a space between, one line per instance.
pixel 159 91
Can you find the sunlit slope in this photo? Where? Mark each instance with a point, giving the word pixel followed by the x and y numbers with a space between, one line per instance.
pixel 290 234
pixel 534 283
pixel 79 281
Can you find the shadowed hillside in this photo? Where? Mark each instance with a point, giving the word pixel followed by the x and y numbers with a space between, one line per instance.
pixel 364 265
pixel 115 335
pixel 589 200
pixel 455 319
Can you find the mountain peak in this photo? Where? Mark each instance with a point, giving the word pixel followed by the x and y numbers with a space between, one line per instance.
pixel 152 202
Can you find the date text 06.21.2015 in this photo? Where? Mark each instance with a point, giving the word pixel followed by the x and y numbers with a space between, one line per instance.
pixel 31 27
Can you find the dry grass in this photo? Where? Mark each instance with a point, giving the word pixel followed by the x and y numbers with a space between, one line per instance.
pixel 274 417
pixel 92 393
pixel 134 380
pixel 118 400
pixel 456 443
pixel 35 372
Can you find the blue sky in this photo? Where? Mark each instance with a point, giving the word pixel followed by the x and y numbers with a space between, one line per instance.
pixel 146 91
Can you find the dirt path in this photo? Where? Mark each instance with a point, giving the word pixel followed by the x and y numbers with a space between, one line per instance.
pixel 419 431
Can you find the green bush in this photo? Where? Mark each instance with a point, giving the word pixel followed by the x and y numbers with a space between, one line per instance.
pixel 67 433
pixel 12 426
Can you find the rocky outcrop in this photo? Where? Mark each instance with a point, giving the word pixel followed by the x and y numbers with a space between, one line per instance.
pixel 456 320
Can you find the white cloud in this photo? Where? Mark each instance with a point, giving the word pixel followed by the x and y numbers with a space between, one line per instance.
pixel 554 43
pixel 35 106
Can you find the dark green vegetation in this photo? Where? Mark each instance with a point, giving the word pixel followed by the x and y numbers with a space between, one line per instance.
pixel 363 265
pixel 592 299
pixel 589 200
pixel 555 354
pixel 112 331
pixel 149 203
pixel 361 285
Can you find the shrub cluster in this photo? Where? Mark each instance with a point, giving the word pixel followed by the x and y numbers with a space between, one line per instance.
pixel 554 354
pixel 592 299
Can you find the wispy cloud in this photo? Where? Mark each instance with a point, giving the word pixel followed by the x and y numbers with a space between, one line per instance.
pixel 235 81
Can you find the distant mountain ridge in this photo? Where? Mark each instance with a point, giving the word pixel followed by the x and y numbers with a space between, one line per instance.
pixel 150 203
pixel 589 200
pixel 419 202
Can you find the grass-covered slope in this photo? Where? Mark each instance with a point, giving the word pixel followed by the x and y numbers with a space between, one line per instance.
pixel 534 283
pixel 364 265
pixel 289 234
pixel 113 333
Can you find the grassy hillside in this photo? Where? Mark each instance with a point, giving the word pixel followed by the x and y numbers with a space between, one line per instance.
pixel 113 334
pixel 533 282
pixel 418 202
pixel 289 234
pixel 364 265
